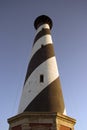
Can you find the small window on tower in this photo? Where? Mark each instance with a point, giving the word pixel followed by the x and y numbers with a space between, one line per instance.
pixel 41 78
pixel 42 46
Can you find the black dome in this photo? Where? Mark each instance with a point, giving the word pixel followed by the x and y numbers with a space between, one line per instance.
pixel 42 20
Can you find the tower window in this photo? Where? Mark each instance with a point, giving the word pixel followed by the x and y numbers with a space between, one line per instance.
pixel 41 78
pixel 42 46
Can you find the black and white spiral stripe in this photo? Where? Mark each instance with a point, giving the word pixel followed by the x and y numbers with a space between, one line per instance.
pixel 45 95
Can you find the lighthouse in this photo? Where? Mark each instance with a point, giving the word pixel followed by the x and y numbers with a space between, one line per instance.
pixel 41 104
pixel 42 89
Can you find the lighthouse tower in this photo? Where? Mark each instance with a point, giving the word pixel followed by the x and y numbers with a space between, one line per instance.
pixel 42 104
pixel 42 89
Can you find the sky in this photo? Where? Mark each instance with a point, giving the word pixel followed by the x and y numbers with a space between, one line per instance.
pixel 69 34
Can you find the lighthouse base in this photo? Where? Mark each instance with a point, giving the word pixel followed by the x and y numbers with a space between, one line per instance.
pixel 41 121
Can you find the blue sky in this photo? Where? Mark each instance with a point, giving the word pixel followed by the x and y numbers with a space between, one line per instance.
pixel 69 35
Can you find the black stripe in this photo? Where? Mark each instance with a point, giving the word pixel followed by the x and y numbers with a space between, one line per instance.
pixel 48 100
pixel 43 32
pixel 39 57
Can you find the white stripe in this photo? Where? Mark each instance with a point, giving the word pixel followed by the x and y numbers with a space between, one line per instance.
pixel 33 86
pixel 41 27
pixel 64 111
pixel 45 40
